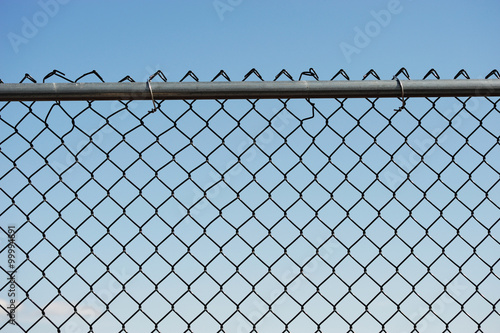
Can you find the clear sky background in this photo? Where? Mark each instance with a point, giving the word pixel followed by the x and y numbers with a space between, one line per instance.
pixel 137 38
pixel 119 38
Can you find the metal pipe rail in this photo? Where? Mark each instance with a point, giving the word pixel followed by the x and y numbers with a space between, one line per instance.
pixel 247 90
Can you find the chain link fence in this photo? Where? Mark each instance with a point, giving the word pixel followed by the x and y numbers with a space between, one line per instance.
pixel 250 215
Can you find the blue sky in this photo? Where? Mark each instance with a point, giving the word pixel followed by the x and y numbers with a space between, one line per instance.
pixel 119 38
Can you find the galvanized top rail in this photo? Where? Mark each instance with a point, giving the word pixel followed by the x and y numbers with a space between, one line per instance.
pixel 248 90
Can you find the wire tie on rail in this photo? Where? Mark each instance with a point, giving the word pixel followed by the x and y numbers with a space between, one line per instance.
pixel 152 97
pixel 402 94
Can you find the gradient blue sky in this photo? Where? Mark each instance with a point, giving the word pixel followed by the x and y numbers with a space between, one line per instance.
pixel 119 38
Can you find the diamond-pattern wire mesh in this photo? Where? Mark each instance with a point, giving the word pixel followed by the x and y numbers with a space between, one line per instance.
pixel 334 215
